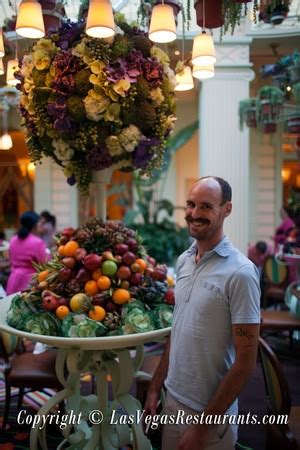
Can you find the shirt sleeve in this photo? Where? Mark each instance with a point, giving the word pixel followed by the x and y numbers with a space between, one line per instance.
pixel 41 252
pixel 244 295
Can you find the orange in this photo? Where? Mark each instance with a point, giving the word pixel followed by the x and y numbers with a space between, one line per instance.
pixel 121 296
pixel 61 250
pixel 97 313
pixel 142 264
pixel 90 287
pixel 103 283
pixel 43 275
pixel 61 312
pixel 70 248
pixel 96 274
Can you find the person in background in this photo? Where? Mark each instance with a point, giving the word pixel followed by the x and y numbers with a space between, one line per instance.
pixel 282 230
pixel 24 249
pixel 46 228
pixel 258 253
pixel 212 350
pixel 4 263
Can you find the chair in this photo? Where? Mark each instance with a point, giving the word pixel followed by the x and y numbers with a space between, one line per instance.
pixel 276 279
pixel 24 370
pixel 282 436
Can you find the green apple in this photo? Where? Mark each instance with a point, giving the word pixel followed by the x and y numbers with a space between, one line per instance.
pixel 109 268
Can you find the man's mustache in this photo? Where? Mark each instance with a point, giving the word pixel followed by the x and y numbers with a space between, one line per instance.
pixel 200 221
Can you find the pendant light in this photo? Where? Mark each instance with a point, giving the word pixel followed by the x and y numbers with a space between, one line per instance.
pixel 30 22
pixel 5 139
pixel 100 19
pixel 2 50
pixel 12 67
pixel 203 53
pixel 1 67
pixel 184 79
pixel 162 25
pixel 203 72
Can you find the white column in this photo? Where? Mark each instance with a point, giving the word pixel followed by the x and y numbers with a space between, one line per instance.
pixel 52 192
pixel 224 149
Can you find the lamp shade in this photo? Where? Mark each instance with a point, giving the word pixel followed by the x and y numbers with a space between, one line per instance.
pixel 1 67
pixel 12 67
pixel 162 25
pixel 100 20
pixel 30 23
pixel 203 72
pixel 5 141
pixel 184 79
pixel 2 50
pixel 204 53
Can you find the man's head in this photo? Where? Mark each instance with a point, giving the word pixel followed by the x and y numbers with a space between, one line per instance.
pixel 208 203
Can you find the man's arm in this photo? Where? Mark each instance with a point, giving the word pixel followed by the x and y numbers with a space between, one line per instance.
pixel 157 382
pixel 245 338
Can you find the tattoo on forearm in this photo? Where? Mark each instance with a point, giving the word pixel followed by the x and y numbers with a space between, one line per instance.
pixel 241 332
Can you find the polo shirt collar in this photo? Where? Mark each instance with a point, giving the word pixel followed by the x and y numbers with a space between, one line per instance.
pixel 223 248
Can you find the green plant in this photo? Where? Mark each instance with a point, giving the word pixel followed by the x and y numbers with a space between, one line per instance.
pixel 248 112
pixel 271 93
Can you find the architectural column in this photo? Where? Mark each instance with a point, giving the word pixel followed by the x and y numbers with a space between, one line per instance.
pixel 224 149
pixel 52 192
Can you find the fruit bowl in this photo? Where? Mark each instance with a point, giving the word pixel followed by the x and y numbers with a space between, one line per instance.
pixel 99 282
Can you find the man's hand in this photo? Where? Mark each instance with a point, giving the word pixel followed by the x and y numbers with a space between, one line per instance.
pixel 150 407
pixel 194 438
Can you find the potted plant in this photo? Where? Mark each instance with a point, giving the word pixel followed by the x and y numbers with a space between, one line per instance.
pixel 248 111
pixel 274 12
pixel 294 68
pixel 271 99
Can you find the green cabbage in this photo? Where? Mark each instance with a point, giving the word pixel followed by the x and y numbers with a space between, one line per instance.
pixel 19 312
pixel 136 318
pixel 163 315
pixel 79 325
pixel 43 322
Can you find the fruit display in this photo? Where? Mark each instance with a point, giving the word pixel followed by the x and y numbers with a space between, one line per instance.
pixel 99 282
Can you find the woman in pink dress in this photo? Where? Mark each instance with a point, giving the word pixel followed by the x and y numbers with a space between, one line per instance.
pixel 25 248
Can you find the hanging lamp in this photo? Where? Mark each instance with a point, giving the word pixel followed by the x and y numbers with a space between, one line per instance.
pixel 203 53
pixel 5 138
pixel 1 67
pixel 184 79
pixel 203 72
pixel 12 67
pixel 30 23
pixel 2 50
pixel 100 19
pixel 162 25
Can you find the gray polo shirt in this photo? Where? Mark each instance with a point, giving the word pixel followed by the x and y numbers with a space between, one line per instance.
pixel 221 290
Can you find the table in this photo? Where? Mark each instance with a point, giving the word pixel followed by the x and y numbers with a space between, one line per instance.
pixel 104 357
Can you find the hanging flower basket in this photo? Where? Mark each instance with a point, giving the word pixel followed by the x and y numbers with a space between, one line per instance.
pixel 90 104
pixel 269 127
pixel 271 100
pixel 248 110
pixel 293 125
pixel 213 13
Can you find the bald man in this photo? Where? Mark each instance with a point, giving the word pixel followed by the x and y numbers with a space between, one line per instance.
pixel 213 345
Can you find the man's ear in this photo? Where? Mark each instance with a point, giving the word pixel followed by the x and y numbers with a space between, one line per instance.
pixel 228 208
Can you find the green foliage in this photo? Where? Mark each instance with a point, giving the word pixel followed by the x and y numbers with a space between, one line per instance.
pixel 294 203
pixel 246 107
pixel 271 93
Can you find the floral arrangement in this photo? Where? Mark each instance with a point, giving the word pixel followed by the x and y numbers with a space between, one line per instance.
pixel 100 281
pixel 90 104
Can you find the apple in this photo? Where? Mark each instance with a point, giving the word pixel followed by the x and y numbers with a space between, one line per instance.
pixel 158 275
pixel 92 262
pixel 170 297
pixel 109 268
pixel 124 273
pixel 65 274
pixel 136 279
pixel 121 249
pixel 69 262
pixel 50 303
pixel 80 254
pixel 68 232
pixel 132 244
pixel 129 258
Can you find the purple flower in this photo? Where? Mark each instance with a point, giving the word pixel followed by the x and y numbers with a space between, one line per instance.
pixel 143 154
pixel 58 108
pixel 153 71
pixel 128 68
pixel 71 180
pixel 64 85
pixel 98 158
pixel 65 124
pixel 69 32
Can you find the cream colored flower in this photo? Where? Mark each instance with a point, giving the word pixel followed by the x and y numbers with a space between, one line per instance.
pixel 41 60
pixel 157 96
pixel 112 113
pixel 62 151
pixel 95 105
pixel 121 87
pixel 79 50
pixel 130 137
pixel 159 54
pixel 27 66
pixel 113 145
pixel 45 45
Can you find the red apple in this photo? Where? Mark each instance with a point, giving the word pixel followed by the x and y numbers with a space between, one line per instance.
pixel 121 249
pixel 132 244
pixel 170 297
pixel 124 273
pixel 68 232
pixel 129 258
pixel 69 262
pixel 80 254
pixel 92 262
pixel 50 303
pixel 64 274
